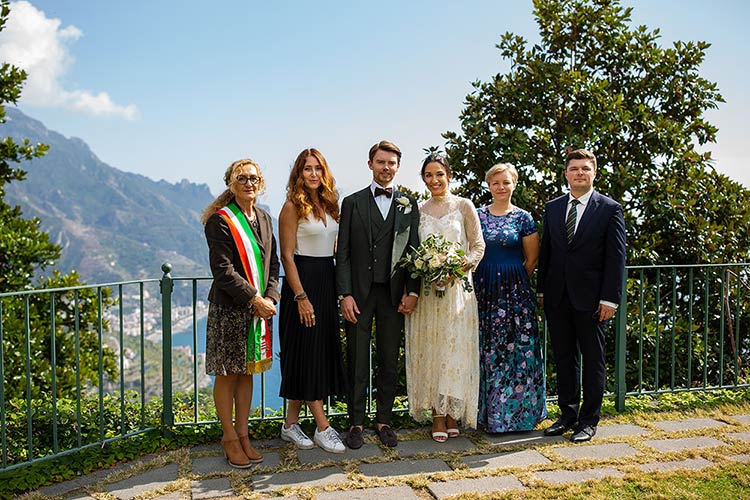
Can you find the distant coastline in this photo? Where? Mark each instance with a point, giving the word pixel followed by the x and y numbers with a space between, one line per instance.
pixel 272 377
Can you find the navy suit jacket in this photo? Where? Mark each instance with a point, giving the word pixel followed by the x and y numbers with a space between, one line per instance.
pixel 592 267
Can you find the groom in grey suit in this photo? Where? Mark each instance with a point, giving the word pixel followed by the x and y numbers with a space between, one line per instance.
pixel 378 226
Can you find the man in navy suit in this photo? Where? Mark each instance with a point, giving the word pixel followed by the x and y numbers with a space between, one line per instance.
pixel 580 277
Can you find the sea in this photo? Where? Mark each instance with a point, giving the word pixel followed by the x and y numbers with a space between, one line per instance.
pixel 271 379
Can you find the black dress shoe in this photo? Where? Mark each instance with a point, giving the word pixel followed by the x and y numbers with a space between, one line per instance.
pixel 354 439
pixel 583 434
pixel 387 436
pixel 558 428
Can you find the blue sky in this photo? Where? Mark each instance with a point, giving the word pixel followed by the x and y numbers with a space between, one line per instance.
pixel 175 90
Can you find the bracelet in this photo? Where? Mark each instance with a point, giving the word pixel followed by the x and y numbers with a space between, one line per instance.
pixel 300 296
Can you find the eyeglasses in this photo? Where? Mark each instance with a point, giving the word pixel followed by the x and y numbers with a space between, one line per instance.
pixel 252 180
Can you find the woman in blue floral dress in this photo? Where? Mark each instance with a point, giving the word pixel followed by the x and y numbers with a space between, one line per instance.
pixel 511 367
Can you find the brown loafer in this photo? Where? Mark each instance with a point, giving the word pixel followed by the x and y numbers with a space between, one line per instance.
pixel 354 439
pixel 387 436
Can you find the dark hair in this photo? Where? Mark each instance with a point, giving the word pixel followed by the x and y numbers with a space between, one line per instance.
pixel 436 157
pixel 580 154
pixel 385 146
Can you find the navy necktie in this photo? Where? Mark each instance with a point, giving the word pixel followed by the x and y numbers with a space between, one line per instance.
pixel 570 222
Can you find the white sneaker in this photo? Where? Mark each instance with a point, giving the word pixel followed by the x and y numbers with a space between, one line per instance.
pixel 329 440
pixel 295 434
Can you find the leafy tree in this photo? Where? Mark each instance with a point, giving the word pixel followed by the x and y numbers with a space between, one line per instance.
pixel 23 250
pixel 594 81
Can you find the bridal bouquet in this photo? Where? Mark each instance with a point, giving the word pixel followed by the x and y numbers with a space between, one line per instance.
pixel 438 262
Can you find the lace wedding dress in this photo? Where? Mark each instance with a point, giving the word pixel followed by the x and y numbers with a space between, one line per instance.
pixel 442 334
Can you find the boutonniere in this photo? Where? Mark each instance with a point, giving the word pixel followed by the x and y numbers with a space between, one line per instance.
pixel 404 204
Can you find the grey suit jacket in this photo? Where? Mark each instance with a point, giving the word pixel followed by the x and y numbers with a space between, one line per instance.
pixel 354 255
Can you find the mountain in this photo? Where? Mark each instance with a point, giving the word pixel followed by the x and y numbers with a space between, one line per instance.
pixel 112 225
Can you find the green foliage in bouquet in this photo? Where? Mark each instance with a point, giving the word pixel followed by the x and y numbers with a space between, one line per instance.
pixel 437 262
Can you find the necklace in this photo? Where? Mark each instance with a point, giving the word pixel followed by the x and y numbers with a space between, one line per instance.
pixel 252 218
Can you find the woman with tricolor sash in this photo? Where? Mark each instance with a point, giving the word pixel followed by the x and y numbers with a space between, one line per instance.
pixel 243 297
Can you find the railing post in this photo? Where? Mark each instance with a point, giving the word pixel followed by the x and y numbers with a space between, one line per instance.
pixel 621 322
pixel 166 285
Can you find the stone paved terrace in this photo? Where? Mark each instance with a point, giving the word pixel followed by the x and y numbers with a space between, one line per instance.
pixel 420 468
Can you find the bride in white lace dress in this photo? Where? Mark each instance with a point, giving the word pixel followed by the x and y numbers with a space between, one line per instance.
pixel 442 334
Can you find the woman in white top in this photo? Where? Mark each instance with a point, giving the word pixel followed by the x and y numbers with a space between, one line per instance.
pixel 442 347
pixel 311 367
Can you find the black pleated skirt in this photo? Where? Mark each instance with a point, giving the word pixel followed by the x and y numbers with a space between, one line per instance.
pixel 311 361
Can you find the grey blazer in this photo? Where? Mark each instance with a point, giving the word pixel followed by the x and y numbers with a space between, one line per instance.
pixel 354 253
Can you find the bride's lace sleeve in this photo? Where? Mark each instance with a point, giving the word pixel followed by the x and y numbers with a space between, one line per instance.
pixel 473 230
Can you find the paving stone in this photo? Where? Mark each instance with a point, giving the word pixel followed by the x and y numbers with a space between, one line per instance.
pixel 317 455
pixel 212 488
pixel 522 438
pixel 600 451
pixel 257 443
pixel 80 496
pixel 270 443
pixel 310 478
pixel 172 495
pixel 411 448
pixel 213 465
pixel 744 419
pixel 77 483
pixel 744 458
pixel 212 447
pixel 607 431
pixel 395 492
pixel 690 464
pixel 576 476
pixel 688 424
pixel 60 489
pixel 665 445
pixel 404 468
pixel 148 481
pixel 745 436
pixel 478 485
pixel 512 459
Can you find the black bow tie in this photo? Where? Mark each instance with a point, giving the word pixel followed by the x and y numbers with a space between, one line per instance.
pixel 388 192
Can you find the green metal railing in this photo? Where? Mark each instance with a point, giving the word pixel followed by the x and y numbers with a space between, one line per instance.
pixel 79 366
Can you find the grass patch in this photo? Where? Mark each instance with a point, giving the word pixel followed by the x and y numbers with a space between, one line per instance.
pixel 729 481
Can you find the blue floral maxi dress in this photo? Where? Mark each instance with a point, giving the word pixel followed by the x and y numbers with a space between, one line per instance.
pixel 511 367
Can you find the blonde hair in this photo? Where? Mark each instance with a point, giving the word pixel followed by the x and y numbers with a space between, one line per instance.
pixel 501 167
pixel 227 196
pixel 300 197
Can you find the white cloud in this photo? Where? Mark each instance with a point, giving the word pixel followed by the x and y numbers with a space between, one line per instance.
pixel 38 44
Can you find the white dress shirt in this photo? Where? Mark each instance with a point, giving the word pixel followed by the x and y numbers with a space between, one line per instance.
pixel 583 201
pixel 382 201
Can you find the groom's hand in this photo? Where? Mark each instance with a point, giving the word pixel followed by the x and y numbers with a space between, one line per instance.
pixel 349 309
pixel 407 304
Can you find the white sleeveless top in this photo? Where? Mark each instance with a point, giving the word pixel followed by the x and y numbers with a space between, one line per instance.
pixel 314 238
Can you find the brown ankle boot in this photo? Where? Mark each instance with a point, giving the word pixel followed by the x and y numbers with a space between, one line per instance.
pixel 234 454
pixel 250 452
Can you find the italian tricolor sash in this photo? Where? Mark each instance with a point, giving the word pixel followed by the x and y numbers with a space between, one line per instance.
pixel 259 352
